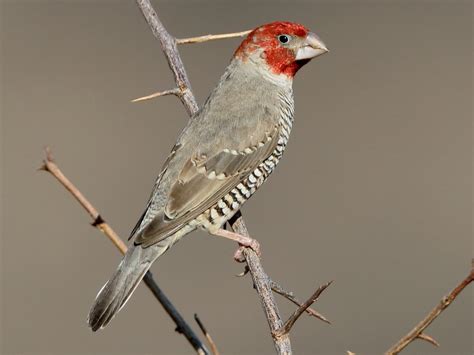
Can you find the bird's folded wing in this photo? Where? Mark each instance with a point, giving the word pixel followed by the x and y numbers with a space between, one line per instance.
pixel 153 192
pixel 202 182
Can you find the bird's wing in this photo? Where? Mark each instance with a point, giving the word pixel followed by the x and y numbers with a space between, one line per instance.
pixel 155 188
pixel 202 181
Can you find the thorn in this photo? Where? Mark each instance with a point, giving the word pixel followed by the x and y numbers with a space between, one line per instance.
pixel 158 94
pixel 49 159
pixel 178 329
pixel 43 167
pixel 49 154
pixel 198 321
pixel 315 314
pixel 243 273
pixel 98 221
pixel 427 338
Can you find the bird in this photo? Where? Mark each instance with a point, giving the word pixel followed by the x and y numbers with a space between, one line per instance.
pixel 223 155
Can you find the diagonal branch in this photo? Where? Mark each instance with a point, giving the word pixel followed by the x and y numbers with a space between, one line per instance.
pixel 294 317
pixel 50 166
pixel 417 331
pixel 182 327
pixel 291 297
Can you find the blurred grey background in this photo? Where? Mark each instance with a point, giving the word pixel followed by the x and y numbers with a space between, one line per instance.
pixel 374 191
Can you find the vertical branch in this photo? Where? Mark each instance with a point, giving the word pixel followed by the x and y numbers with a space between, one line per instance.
pixel 263 286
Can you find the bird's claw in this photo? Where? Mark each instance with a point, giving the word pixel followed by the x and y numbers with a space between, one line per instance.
pixel 252 244
pixel 245 272
pixel 239 255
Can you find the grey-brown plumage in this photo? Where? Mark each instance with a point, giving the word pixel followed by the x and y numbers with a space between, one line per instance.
pixel 220 159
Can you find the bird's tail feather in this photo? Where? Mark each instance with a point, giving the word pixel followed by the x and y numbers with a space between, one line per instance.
pixel 116 292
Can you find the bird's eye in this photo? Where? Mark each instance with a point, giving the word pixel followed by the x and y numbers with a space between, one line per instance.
pixel 284 38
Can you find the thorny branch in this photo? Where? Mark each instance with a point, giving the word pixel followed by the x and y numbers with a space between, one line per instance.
pixel 182 327
pixel 417 331
pixel 198 39
pixel 301 309
pixel 261 282
pixel 291 297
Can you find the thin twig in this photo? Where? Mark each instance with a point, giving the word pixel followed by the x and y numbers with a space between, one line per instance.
pixel 417 331
pixel 294 317
pixel 209 37
pixel 260 278
pixel 290 297
pixel 175 92
pixel 51 167
pixel 211 342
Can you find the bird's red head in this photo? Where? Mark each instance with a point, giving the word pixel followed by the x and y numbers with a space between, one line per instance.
pixel 284 46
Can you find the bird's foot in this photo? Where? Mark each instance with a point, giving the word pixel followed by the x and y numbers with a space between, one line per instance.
pixel 239 253
pixel 243 240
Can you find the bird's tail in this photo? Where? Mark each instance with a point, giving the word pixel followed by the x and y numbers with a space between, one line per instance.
pixel 116 292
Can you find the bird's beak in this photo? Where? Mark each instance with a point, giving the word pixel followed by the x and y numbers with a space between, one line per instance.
pixel 311 48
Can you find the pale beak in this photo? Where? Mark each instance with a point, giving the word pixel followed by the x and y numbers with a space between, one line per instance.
pixel 312 47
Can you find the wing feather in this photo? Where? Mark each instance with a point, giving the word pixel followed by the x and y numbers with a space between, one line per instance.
pixel 202 181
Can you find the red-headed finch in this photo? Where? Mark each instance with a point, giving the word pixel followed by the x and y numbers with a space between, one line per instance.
pixel 226 151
